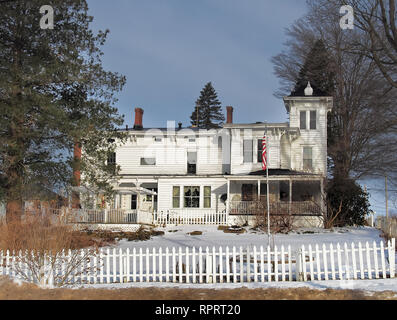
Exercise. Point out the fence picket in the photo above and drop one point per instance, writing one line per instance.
(367, 249)
(376, 266)
(269, 265)
(382, 254)
(339, 255)
(331, 257)
(275, 264)
(241, 265)
(347, 265)
(262, 264)
(392, 256)
(187, 265)
(234, 265)
(282, 264)
(318, 268)
(255, 266)
(248, 264)
(227, 265)
(353, 250)
(194, 265)
(160, 274)
(140, 265)
(290, 263)
(200, 265)
(360, 255)
(220, 265)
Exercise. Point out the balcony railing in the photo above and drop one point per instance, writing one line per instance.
(276, 208)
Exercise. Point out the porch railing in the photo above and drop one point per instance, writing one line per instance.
(276, 208)
(190, 218)
(113, 216)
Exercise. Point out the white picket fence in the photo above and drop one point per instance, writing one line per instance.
(216, 265)
(347, 262)
(188, 217)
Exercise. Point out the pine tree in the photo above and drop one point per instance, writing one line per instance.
(209, 113)
(318, 70)
(53, 92)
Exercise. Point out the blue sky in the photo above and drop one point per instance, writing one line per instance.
(170, 49)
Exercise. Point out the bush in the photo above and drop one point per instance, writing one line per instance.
(347, 203)
(41, 245)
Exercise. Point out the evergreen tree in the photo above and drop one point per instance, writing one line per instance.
(209, 113)
(317, 69)
(53, 93)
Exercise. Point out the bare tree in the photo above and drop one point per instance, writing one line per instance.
(377, 18)
(362, 125)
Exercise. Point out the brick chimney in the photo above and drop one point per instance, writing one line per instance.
(138, 118)
(229, 118)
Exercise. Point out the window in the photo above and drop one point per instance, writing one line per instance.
(148, 161)
(112, 158)
(307, 158)
(149, 196)
(260, 150)
(191, 162)
(247, 151)
(112, 161)
(192, 140)
(313, 115)
(158, 139)
(133, 202)
(191, 197)
(207, 197)
(247, 192)
(303, 119)
(176, 191)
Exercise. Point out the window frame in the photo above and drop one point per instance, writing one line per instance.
(191, 197)
(249, 153)
(304, 159)
(146, 163)
(303, 124)
(208, 197)
(176, 197)
(313, 120)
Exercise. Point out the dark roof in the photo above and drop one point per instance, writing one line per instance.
(280, 172)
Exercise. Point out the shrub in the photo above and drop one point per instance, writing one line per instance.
(347, 203)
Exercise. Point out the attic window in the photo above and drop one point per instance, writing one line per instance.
(158, 139)
(192, 140)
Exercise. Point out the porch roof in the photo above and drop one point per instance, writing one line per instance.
(275, 174)
(134, 190)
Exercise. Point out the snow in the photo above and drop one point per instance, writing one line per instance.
(212, 237)
(375, 285)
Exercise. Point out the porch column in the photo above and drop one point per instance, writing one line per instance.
(138, 196)
(322, 205)
(259, 190)
(228, 197)
(290, 196)
(152, 203)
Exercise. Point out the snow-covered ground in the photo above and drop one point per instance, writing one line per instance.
(179, 237)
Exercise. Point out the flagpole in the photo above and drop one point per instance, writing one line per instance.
(267, 186)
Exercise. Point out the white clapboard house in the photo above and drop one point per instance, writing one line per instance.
(216, 175)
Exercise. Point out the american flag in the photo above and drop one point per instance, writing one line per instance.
(264, 156)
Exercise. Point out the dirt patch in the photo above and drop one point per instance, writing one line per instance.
(13, 291)
(110, 237)
(195, 233)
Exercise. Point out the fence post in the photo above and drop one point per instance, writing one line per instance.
(106, 216)
(298, 268)
(392, 257)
